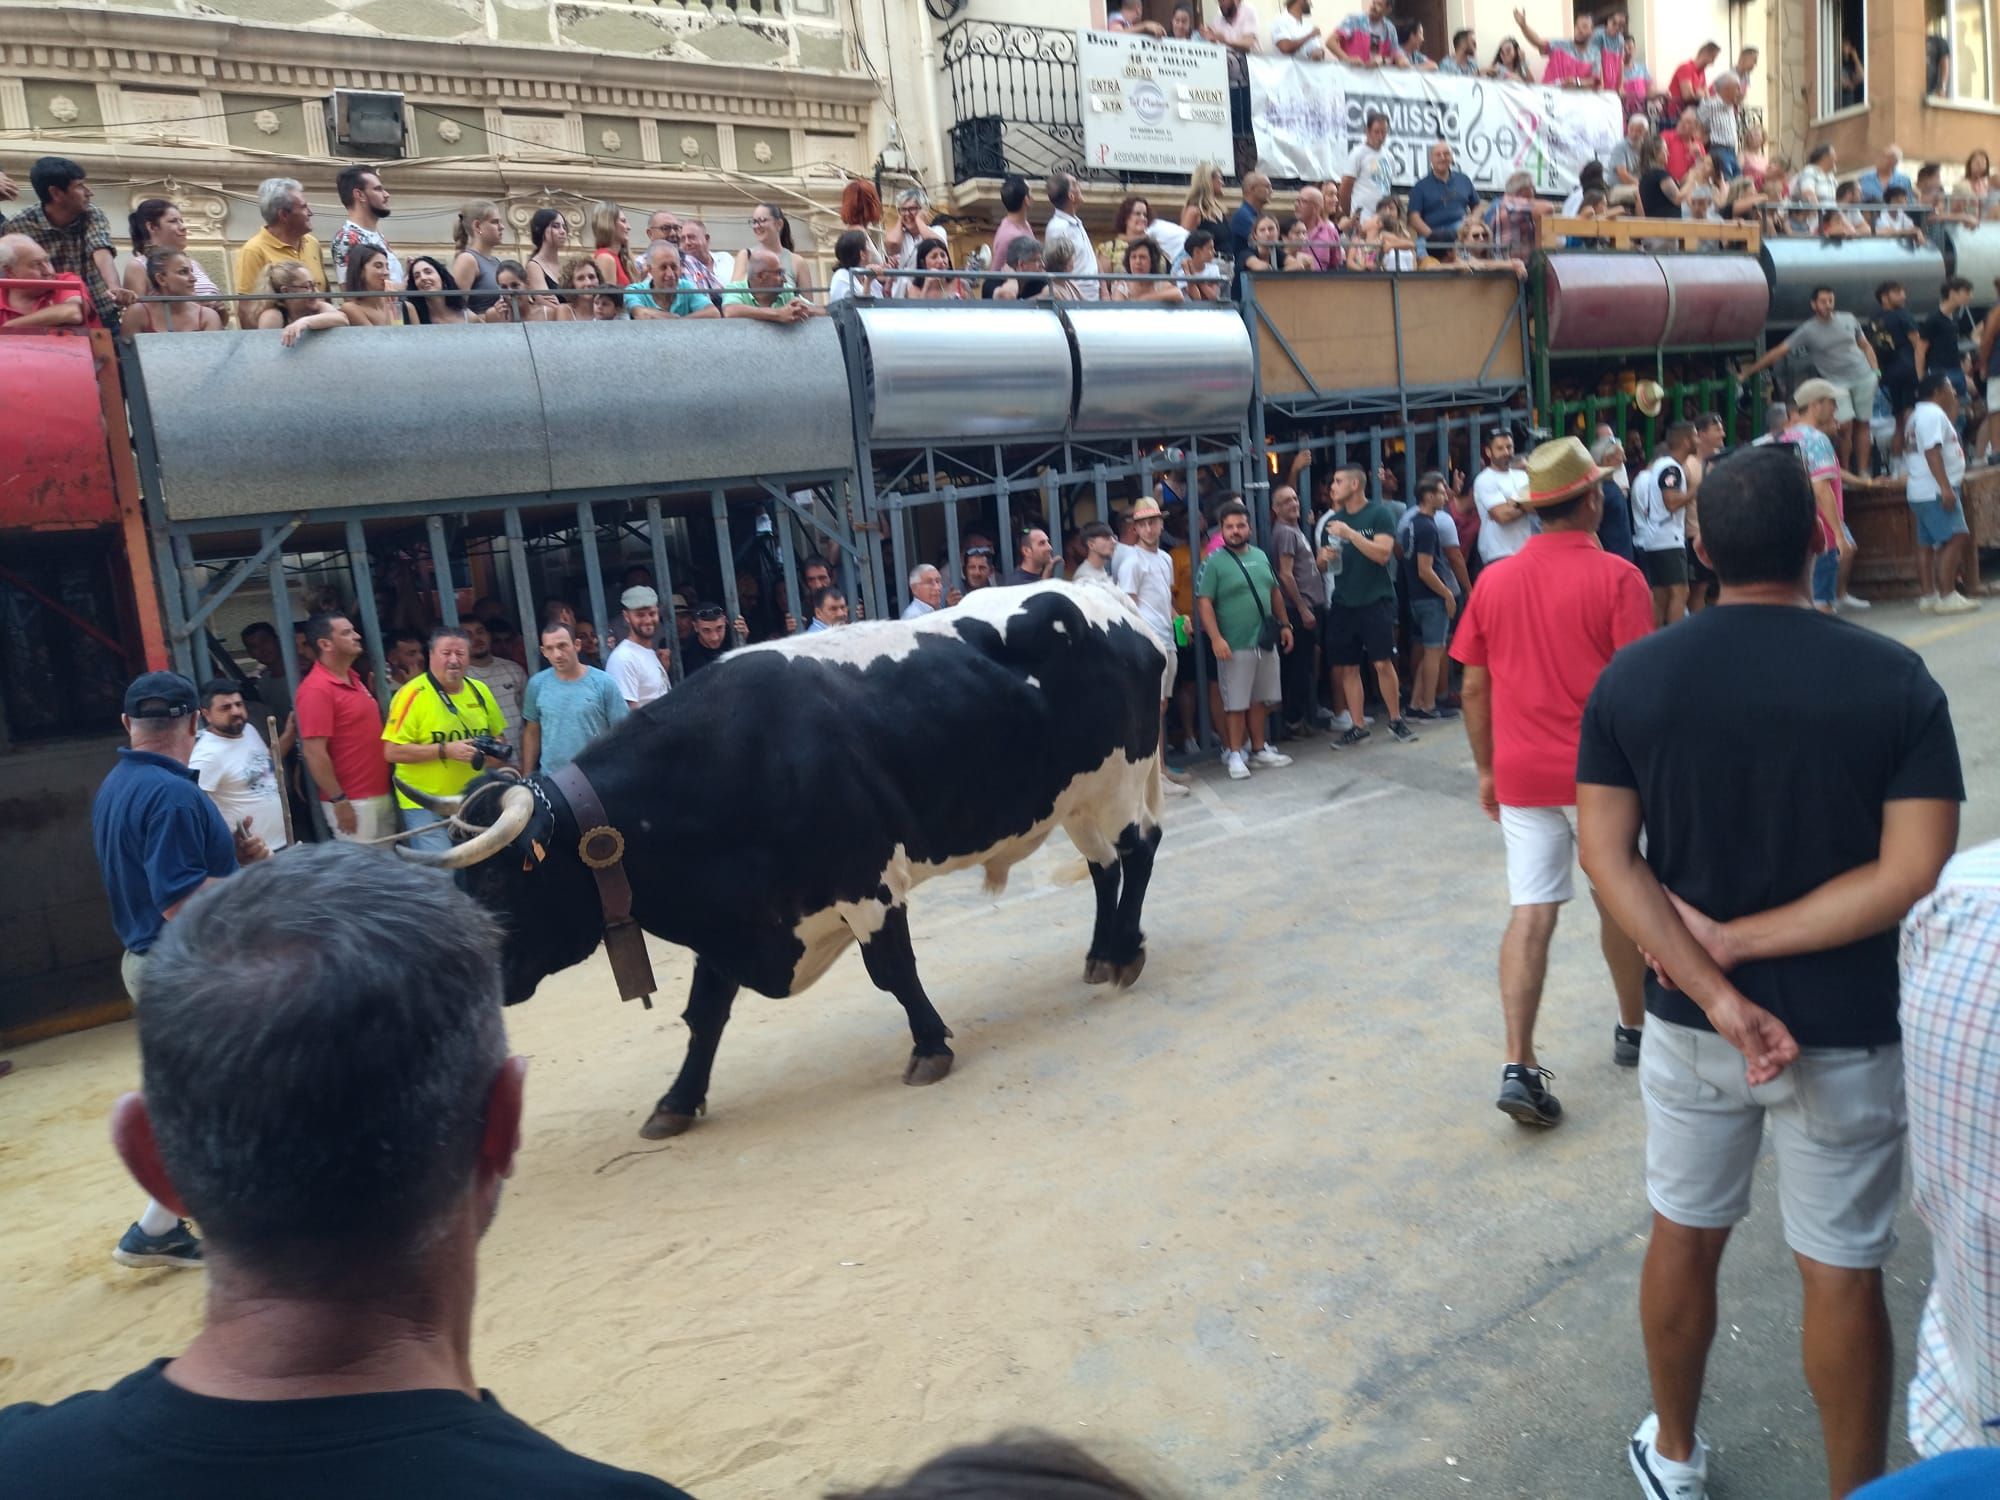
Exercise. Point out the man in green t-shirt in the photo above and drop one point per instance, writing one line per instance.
(1361, 620)
(1238, 592)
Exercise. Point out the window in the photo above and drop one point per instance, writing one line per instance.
(1957, 63)
(1843, 67)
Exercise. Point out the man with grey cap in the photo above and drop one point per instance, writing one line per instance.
(159, 839)
(635, 664)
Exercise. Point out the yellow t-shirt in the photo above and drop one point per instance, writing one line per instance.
(418, 715)
(264, 248)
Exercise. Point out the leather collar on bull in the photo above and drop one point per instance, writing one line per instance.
(601, 847)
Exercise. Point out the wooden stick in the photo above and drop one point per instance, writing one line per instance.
(284, 787)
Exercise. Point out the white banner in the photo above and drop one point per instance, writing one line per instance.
(1152, 104)
(1306, 115)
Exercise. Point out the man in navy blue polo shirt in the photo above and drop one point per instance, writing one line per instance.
(159, 839)
(1440, 200)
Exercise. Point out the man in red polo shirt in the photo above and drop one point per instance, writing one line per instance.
(37, 309)
(1689, 85)
(1539, 627)
(340, 734)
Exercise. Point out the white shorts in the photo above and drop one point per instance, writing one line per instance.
(1173, 670)
(1541, 854)
(1837, 1130)
(1249, 676)
(374, 818)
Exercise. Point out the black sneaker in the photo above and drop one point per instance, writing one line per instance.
(1444, 711)
(1625, 1042)
(1401, 730)
(176, 1247)
(1419, 714)
(1523, 1097)
(1352, 738)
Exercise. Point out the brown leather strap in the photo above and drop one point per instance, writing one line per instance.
(602, 849)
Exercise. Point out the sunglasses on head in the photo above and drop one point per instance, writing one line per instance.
(978, 551)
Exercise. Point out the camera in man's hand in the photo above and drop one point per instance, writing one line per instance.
(485, 748)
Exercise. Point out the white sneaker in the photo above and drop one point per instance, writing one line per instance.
(1852, 601)
(1955, 603)
(1239, 768)
(1928, 605)
(1190, 747)
(1342, 722)
(1172, 788)
(1662, 1478)
(1269, 758)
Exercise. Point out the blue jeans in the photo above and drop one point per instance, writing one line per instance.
(1826, 578)
(434, 836)
(1725, 161)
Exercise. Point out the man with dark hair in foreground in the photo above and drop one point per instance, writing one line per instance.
(1780, 855)
(339, 1117)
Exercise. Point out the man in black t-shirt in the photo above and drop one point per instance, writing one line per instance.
(339, 1115)
(1940, 330)
(1893, 334)
(1797, 784)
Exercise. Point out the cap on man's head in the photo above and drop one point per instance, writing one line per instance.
(639, 597)
(159, 695)
(1810, 391)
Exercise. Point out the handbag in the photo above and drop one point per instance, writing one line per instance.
(1269, 632)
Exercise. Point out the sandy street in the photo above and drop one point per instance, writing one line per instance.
(1256, 1218)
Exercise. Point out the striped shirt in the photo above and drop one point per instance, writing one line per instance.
(1951, 1061)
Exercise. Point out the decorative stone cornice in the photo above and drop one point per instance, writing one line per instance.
(170, 51)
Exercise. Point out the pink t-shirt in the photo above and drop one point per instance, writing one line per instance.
(1004, 236)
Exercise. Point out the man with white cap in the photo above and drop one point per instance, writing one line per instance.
(1538, 629)
(639, 669)
(1144, 573)
(1812, 436)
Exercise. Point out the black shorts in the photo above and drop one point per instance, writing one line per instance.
(1667, 568)
(1360, 633)
(1698, 571)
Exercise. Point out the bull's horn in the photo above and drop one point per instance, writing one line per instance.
(517, 806)
(444, 807)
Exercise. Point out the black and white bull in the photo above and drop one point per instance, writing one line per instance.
(786, 801)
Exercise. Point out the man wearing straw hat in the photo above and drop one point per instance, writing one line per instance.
(1539, 627)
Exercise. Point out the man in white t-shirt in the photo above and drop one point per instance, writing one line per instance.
(636, 665)
(1366, 181)
(235, 768)
(1660, 498)
(1145, 575)
(1504, 523)
(1936, 494)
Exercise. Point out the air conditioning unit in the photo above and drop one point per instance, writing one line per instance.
(362, 122)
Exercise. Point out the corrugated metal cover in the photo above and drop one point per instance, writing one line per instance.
(956, 373)
(1853, 268)
(1975, 256)
(408, 417)
(691, 402)
(1717, 299)
(1160, 369)
(1605, 301)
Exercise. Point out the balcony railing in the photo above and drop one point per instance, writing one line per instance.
(1016, 105)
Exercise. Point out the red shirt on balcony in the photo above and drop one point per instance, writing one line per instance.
(20, 302)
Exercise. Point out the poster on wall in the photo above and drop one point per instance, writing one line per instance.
(1306, 115)
(1152, 104)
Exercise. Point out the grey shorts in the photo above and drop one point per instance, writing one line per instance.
(1249, 676)
(1837, 1130)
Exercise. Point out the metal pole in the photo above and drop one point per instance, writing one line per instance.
(593, 573)
(899, 543)
(954, 571)
(788, 561)
(656, 533)
(1052, 508)
(524, 585)
(196, 649)
(281, 621)
(441, 575)
(1003, 490)
(718, 507)
(363, 571)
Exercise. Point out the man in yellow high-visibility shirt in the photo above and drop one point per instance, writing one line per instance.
(433, 721)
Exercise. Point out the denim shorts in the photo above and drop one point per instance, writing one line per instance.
(1935, 524)
(1428, 617)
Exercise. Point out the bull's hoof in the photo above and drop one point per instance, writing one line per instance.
(1126, 975)
(924, 1070)
(1097, 971)
(664, 1124)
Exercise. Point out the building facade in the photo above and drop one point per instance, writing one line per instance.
(702, 106)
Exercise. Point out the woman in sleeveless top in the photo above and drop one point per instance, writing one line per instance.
(548, 232)
(477, 235)
(156, 224)
(170, 273)
(771, 230)
(611, 233)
